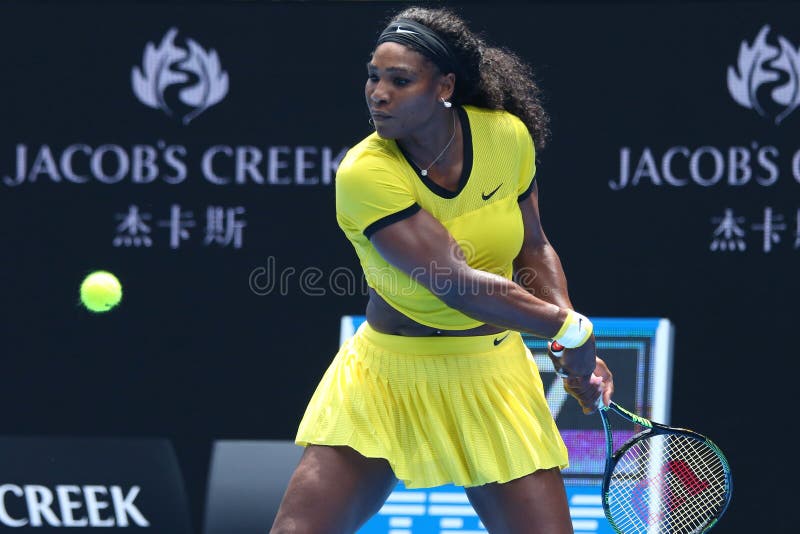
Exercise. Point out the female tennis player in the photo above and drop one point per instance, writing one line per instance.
(437, 386)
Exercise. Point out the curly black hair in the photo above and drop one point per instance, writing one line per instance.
(490, 76)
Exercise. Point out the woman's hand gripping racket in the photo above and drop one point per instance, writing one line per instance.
(663, 479)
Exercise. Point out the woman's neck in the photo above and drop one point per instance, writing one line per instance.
(434, 147)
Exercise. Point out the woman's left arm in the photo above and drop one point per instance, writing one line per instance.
(537, 267)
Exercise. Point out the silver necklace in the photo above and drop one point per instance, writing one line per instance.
(424, 172)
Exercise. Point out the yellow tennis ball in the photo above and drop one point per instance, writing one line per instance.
(100, 291)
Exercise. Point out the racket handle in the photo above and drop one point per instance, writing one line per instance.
(557, 348)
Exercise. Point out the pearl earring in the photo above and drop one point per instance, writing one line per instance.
(446, 103)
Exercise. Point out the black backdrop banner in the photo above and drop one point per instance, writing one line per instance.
(48, 483)
(191, 150)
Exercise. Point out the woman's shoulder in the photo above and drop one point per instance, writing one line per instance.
(370, 152)
(371, 163)
(487, 112)
(494, 118)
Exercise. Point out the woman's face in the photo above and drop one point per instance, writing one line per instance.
(403, 90)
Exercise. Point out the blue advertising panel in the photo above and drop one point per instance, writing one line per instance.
(446, 510)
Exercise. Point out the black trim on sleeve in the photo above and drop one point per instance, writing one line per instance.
(389, 219)
(527, 192)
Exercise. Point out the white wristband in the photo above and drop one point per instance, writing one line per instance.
(575, 331)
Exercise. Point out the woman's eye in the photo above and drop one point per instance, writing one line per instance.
(372, 77)
(401, 81)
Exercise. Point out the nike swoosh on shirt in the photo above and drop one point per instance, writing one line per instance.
(487, 196)
(499, 340)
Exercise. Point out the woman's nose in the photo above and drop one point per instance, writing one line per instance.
(378, 94)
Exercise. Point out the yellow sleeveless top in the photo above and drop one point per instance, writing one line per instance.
(376, 185)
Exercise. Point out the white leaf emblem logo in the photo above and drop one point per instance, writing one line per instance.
(759, 64)
(213, 81)
(788, 94)
(168, 64)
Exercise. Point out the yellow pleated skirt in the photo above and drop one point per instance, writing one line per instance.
(442, 410)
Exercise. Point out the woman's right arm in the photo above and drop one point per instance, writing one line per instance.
(421, 247)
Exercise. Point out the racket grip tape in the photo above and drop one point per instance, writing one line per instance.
(557, 348)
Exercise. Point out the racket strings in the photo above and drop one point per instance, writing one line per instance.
(660, 484)
(667, 483)
(658, 500)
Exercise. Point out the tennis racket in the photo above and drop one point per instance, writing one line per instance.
(663, 479)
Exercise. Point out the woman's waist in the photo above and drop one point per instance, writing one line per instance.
(439, 345)
(383, 318)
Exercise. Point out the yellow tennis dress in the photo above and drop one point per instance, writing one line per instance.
(461, 410)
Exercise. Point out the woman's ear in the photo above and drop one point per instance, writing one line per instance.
(448, 86)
